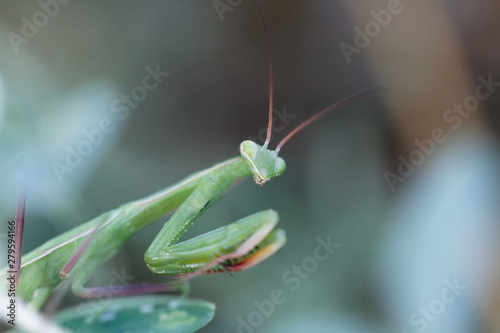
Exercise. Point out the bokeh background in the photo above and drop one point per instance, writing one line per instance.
(399, 248)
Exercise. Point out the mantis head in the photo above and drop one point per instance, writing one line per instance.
(262, 162)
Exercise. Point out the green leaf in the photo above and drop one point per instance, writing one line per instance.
(150, 314)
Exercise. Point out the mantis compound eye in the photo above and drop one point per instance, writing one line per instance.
(249, 148)
(279, 166)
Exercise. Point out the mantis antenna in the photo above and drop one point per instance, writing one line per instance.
(329, 109)
(270, 66)
(309, 121)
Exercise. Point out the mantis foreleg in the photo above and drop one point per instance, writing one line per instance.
(163, 257)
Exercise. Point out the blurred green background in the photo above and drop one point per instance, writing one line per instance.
(65, 79)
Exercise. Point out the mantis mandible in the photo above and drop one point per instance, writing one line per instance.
(235, 247)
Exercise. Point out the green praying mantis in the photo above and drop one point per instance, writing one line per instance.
(235, 247)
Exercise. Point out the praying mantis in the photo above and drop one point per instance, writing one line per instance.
(240, 245)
